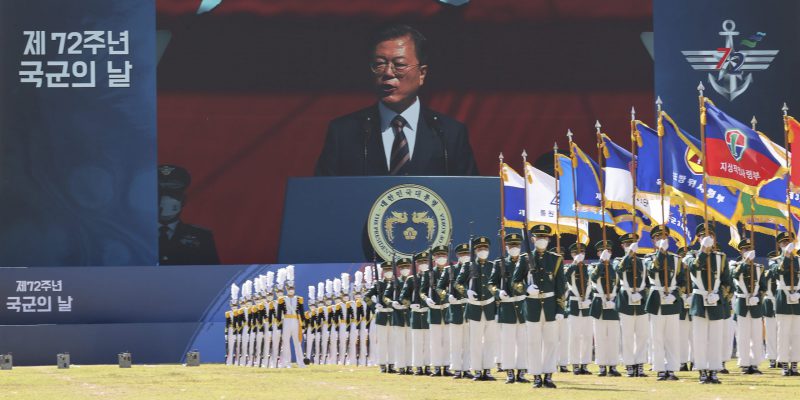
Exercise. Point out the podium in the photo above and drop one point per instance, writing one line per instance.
(353, 219)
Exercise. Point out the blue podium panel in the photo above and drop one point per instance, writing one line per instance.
(352, 219)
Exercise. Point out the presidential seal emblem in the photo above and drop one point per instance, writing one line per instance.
(731, 69)
(408, 219)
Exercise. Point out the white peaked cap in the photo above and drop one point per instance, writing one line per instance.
(312, 293)
(270, 279)
(281, 280)
(337, 287)
(345, 282)
(234, 292)
(359, 281)
(328, 288)
(321, 290)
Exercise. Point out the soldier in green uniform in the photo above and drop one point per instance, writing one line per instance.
(437, 307)
(749, 281)
(605, 284)
(684, 317)
(541, 279)
(383, 315)
(663, 304)
(785, 271)
(512, 322)
(562, 350)
(401, 334)
(633, 318)
(458, 330)
(768, 311)
(418, 315)
(709, 277)
(579, 323)
(473, 282)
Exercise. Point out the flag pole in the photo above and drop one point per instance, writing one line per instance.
(525, 175)
(753, 123)
(574, 189)
(701, 100)
(602, 193)
(786, 143)
(634, 165)
(660, 130)
(503, 205)
(558, 196)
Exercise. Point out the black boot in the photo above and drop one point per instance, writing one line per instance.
(603, 371)
(510, 376)
(773, 364)
(691, 366)
(756, 371)
(427, 371)
(418, 372)
(521, 376)
(487, 376)
(548, 381)
(537, 381)
(437, 372)
(794, 369)
(576, 369)
(563, 369)
(478, 376)
(391, 369)
(724, 370)
(630, 371)
(713, 378)
(640, 371)
(786, 370)
(446, 371)
(703, 377)
(684, 367)
(383, 368)
(467, 375)
(585, 370)
(613, 371)
(457, 375)
(747, 370)
(662, 376)
(671, 376)
(500, 368)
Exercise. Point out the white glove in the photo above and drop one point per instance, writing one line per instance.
(378, 306)
(752, 301)
(669, 299)
(795, 296)
(559, 317)
(605, 255)
(533, 290)
(788, 249)
(452, 299)
(430, 302)
(636, 297)
(471, 295)
(749, 255)
(396, 305)
(713, 297)
(633, 247)
(374, 299)
(503, 295)
(706, 242)
(415, 307)
(586, 303)
(610, 304)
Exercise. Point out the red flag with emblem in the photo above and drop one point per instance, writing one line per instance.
(793, 130)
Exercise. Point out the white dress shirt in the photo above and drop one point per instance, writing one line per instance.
(411, 115)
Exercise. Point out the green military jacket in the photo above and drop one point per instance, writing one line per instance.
(770, 288)
(447, 288)
(510, 309)
(664, 274)
(545, 271)
(409, 293)
(782, 275)
(632, 279)
(579, 288)
(749, 279)
(475, 276)
(719, 284)
(428, 289)
(606, 286)
(393, 293)
(377, 290)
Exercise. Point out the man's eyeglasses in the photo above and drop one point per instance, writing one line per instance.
(399, 69)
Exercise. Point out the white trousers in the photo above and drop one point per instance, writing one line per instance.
(771, 337)
(309, 338)
(317, 348)
(259, 349)
(382, 344)
(788, 338)
(439, 345)
(749, 341)
(707, 343)
(354, 334)
(481, 343)
(276, 349)
(401, 343)
(363, 335)
(562, 349)
(685, 340)
(333, 344)
(326, 338)
(238, 349)
(606, 340)
(728, 333)
(666, 342)
(291, 333)
(635, 333)
(579, 339)
(343, 337)
(371, 358)
(459, 345)
(420, 346)
(231, 347)
(542, 340)
(266, 340)
(243, 347)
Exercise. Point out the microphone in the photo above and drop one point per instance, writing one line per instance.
(367, 125)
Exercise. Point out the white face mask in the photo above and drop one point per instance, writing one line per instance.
(463, 259)
(514, 251)
(482, 254)
(788, 248)
(168, 208)
(290, 292)
(663, 244)
(711, 238)
(387, 275)
(422, 267)
(441, 261)
(578, 257)
(405, 271)
(541, 244)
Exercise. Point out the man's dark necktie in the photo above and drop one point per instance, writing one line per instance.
(400, 154)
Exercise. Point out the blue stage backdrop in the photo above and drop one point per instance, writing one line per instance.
(77, 133)
(158, 314)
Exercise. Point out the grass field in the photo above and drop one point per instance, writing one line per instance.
(214, 381)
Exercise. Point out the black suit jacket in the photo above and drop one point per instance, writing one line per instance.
(189, 245)
(354, 146)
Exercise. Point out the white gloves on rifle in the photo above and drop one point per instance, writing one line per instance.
(472, 295)
(706, 242)
(415, 307)
(586, 303)
(752, 301)
(430, 302)
(533, 290)
(636, 297)
(669, 299)
(396, 305)
(503, 295)
(605, 255)
(713, 297)
(609, 304)
(452, 299)
(374, 299)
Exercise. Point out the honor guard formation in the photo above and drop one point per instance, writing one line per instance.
(529, 314)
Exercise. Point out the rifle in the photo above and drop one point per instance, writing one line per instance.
(502, 254)
(415, 287)
(430, 272)
(452, 279)
(473, 267)
(527, 240)
(394, 271)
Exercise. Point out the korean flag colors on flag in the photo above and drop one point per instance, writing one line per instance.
(513, 197)
(735, 154)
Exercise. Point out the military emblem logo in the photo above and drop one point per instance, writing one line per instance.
(408, 219)
(731, 69)
(737, 143)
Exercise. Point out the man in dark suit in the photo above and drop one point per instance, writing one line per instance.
(180, 243)
(397, 136)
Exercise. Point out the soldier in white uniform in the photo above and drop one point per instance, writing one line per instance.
(785, 270)
(663, 304)
(345, 315)
(246, 347)
(748, 279)
(579, 322)
(277, 319)
(310, 326)
(230, 326)
(293, 311)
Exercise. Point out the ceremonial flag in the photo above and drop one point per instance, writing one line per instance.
(567, 203)
(542, 203)
(513, 197)
(735, 154)
(793, 130)
(587, 177)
